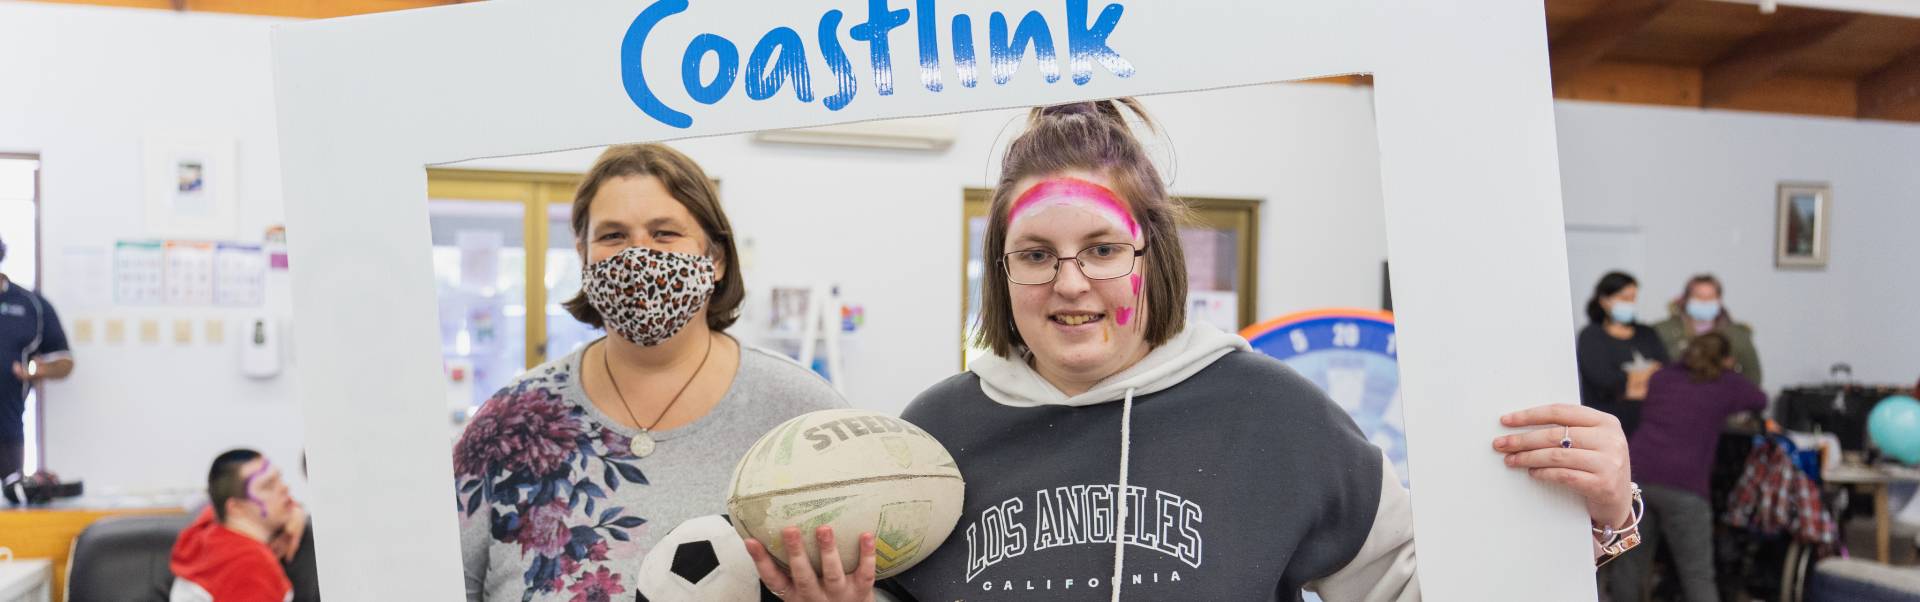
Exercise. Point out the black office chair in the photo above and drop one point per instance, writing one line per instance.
(124, 559)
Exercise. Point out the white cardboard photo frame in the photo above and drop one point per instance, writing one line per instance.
(1469, 172)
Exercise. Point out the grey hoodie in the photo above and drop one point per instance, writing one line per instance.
(1204, 472)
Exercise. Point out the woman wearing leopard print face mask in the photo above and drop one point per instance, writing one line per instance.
(569, 474)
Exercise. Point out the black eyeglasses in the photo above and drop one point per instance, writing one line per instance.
(1104, 261)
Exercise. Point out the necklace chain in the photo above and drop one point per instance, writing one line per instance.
(608, 366)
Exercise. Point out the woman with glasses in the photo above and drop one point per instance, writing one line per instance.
(1111, 446)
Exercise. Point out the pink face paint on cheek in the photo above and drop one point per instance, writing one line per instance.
(1071, 191)
(1123, 315)
(1136, 284)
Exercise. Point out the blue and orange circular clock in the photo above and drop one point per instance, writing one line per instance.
(1352, 356)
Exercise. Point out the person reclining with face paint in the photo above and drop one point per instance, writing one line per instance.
(225, 555)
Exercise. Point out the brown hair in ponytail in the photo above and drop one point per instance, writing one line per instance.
(1093, 137)
(1706, 356)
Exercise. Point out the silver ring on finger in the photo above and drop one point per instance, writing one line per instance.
(1566, 437)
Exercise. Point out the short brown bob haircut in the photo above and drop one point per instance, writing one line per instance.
(688, 184)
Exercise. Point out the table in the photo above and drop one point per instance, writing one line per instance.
(26, 580)
(1876, 480)
(47, 532)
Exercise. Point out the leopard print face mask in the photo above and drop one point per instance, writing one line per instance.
(647, 296)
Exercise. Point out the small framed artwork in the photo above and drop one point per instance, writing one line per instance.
(1800, 238)
(190, 187)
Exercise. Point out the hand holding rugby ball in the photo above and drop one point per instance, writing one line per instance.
(853, 470)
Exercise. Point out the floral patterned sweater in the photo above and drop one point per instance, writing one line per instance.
(552, 506)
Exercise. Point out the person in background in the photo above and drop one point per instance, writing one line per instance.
(228, 553)
(34, 348)
(1699, 311)
(1672, 458)
(1617, 354)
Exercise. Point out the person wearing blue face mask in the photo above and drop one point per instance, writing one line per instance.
(1617, 354)
(1699, 311)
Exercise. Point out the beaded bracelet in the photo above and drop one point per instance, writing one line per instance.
(1614, 542)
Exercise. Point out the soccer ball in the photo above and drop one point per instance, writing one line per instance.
(702, 559)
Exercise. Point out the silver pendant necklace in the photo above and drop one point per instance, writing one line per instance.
(642, 444)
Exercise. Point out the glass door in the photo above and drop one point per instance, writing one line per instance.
(479, 268)
(564, 334)
(495, 232)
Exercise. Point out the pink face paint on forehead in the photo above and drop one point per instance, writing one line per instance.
(1074, 192)
(247, 486)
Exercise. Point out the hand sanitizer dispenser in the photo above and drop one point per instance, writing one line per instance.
(260, 348)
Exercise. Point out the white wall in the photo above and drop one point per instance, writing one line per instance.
(1696, 190)
(81, 87)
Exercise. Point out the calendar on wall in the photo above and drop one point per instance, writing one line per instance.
(137, 269)
(189, 273)
(240, 275)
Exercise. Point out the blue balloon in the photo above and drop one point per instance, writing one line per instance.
(1895, 427)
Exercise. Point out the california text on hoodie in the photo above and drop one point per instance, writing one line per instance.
(1206, 471)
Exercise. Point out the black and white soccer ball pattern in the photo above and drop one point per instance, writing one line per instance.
(701, 560)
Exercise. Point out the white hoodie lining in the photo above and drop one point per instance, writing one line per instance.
(1120, 530)
(1012, 382)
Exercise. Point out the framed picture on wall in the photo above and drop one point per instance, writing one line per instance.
(1800, 237)
(190, 187)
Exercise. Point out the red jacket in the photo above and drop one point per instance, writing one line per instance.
(212, 563)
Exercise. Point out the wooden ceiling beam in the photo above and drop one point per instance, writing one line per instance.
(1885, 93)
(1593, 37)
(1765, 55)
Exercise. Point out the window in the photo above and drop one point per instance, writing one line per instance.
(486, 225)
